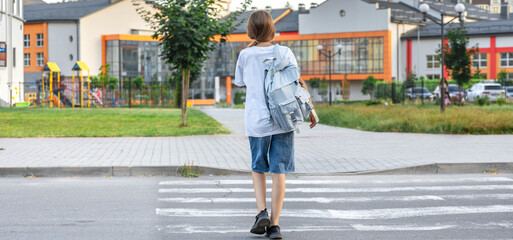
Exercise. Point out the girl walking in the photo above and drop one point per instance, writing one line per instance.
(272, 149)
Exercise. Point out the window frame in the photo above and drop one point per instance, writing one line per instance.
(26, 59)
(508, 59)
(38, 59)
(26, 40)
(478, 60)
(432, 61)
(40, 42)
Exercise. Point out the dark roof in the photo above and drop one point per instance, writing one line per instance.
(401, 12)
(479, 28)
(473, 12)
(289, 23)
(67, 11)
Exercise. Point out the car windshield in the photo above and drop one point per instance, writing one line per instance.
(510, 89)
(493, 87)
(453, 89)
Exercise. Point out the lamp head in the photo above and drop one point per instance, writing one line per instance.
(319, 47)
(339, 47)
(424, 8)
(460, 8)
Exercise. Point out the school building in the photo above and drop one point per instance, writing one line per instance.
(384, 39)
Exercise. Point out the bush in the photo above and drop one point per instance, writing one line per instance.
(372, 102)
(483, 101)
(240, 98)
(501, 100)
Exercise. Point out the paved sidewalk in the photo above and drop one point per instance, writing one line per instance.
(323, 149)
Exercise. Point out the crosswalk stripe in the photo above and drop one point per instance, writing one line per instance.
(344, 199)
(373, 228)
(306, 182)
(340, 190)
(186, 228)
(386, 213)
(315, 199)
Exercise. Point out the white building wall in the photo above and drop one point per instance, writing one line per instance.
(359, 17)
(398, 65)
(482, 42)
(356, 91)
(419, 53)
(119, 18)
(506, 41)
(11, 32)
(62, 45)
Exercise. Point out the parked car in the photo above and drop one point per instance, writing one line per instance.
(454, 92)
(418, 92)
(481, 90)
(509, 92)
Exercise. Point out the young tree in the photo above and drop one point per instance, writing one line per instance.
(502, 76)
(187, 31)
(457, 56)
(368, 86)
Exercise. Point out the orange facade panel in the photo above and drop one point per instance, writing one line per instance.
(32, 30)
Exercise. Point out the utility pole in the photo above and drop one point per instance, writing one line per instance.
(8, 42)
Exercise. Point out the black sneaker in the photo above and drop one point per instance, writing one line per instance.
(262, 221)
(273, 232)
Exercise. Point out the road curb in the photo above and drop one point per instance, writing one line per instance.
(144, 171)
(449, 168)
(112, 171)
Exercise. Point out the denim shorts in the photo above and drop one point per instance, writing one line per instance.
(273, 153)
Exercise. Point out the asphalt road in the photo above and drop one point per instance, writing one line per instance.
(316, 207)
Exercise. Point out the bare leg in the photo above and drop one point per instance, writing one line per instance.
(259, 185)
(277, 197)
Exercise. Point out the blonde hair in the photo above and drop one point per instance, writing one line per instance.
(260, 27)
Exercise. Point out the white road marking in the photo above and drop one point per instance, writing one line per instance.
(340, 190)
(373, 228)
(386, 213)
(344, 199)
(313, 199)
(306, 182)
(188, 229)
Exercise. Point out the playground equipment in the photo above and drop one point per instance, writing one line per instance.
(51, 68)
(80, 67)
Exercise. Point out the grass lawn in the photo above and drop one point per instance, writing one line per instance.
(106, 122)
(469, 119)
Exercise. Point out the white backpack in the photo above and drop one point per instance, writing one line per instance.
(286, 100)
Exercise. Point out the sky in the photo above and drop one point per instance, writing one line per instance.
(257, 3)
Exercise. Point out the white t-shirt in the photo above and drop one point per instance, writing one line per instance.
(250, 72)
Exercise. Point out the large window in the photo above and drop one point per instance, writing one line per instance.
(40, 60)
(433, 61)
(507, 59)
(26, 59)
(26, 40)
(479, 60)
(39, 40)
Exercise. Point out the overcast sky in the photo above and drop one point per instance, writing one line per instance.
(257, 3)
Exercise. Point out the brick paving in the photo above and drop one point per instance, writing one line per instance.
(323, 149)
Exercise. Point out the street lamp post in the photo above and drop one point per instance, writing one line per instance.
(460, 8)
(329, 56)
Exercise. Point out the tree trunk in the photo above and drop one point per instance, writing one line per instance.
(186, 73)
(460, 95)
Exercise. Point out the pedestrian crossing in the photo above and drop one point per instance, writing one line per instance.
(350, 204)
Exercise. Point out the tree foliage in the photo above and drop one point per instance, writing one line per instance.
(457, 56)
(368, 86)
(187, 31)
